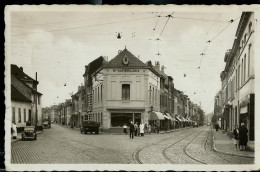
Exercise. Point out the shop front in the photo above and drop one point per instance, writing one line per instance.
(247, 115)
(120, 119)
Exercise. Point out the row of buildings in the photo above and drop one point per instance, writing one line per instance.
(25, 99)
(234, 103)
(126, 89)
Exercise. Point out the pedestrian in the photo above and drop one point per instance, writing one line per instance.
(125, 129)
(132, 129)
(235, 137)
(158, 128)
(136, 128)
(141, 129)
(149, 129)
(243, 137)
(216, 126)
(14, 130)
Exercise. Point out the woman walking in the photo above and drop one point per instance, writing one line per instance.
(136, 128)
(142, 129)
(235, 137)
(243, 137)
(149, 129)
(125, 128)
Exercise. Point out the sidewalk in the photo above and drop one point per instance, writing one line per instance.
(224, 144)
(19, 136)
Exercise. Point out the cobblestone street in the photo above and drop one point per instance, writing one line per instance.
(61, 144)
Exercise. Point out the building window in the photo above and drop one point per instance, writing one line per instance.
(153, 95)
(238, 77)
(101, 92)
(249, 60)
(19, 115)
(245, 69)
(150, 92)
(94, 96)
(39, 99)
(250, 27)
(126, 91)
(245, 36)
(13, 115)
(24, 115)
(98, 94)
(242, 72)
(101, 121)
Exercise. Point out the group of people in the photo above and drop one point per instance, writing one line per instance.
(137, 130)
(240, 137)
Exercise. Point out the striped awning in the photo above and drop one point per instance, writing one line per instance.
(178, 119)
(156, 115)
(169, 116)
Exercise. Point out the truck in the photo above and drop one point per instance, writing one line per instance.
(89, 126)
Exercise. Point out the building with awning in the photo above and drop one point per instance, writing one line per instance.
(157, 116)
(168, 116)
(179, 119)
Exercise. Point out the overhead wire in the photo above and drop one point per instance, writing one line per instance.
(169, 16)
(80, 27)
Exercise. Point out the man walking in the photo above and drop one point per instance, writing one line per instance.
(132, 129)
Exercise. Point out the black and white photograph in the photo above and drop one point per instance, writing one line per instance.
(131, 87)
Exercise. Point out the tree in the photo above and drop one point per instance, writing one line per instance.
(201, 116)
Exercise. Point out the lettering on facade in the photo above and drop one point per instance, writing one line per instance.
(125, 70)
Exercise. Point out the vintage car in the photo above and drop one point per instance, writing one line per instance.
(195, 124)
(46, 124)
(29, 132)
(89, 126)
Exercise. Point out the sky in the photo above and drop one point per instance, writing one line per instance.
(57, 44)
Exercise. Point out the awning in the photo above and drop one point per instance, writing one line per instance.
(243, 110)
(169, 117)
(165, 116)
(178, 119)
(156, 115)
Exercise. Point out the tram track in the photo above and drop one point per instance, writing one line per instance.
(136, 155)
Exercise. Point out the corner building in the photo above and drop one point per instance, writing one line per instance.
(125, 89)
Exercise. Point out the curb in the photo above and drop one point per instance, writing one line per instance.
(229, 153)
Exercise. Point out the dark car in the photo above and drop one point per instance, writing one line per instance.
(89, 126)
(29, 132)
(195, 124)
(46, 124)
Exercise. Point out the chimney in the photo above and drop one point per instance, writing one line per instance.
(157, 65)
(21, 68)
(162, 68)
(105, 58)
(79, 88)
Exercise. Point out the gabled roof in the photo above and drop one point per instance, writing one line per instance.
(117, 61)
(16, 95)
(18, 72)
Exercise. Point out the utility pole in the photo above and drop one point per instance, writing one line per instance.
(36, 97)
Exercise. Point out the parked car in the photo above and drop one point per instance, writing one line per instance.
(29, 132)
(195, 124)
(46, 124)
(89, 126)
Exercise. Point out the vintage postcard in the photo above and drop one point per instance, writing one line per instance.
(131, 87)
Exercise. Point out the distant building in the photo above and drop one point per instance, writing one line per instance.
(24, 98)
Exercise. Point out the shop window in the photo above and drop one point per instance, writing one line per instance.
(119, 119)
(126, 91)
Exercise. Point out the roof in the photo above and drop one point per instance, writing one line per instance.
(18, 72)
(33, 90)
(117, 61)
(16, 95)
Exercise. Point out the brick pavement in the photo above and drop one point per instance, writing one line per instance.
(224, 144)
